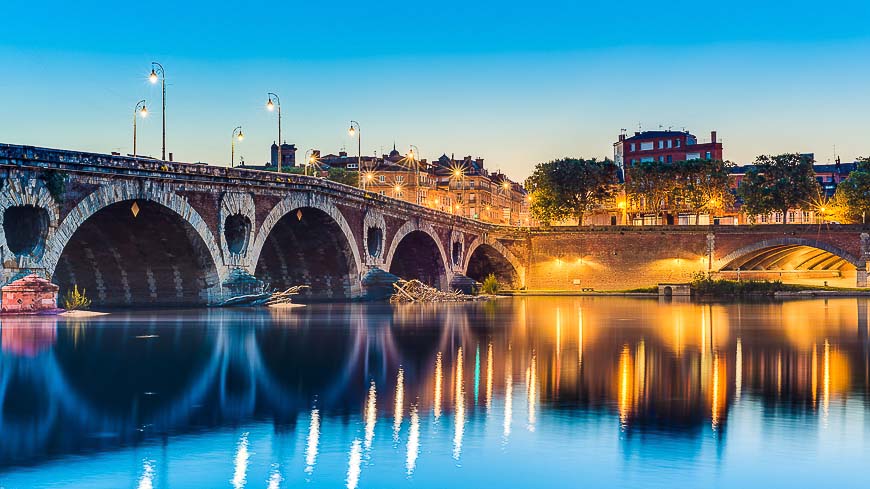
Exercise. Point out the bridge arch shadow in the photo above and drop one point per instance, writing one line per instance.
(308, 244)
(792, 260)
(153, 256)
(416, 252)
(485, 257)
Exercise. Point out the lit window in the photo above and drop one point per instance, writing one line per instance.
(400, 178)
(382, 178)
(708, 155)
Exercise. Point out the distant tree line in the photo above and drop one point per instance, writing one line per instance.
(572, 188)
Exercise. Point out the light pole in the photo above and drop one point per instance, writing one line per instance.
(270, 105)
(309, 160)
(459, 173)
(414, 156)
(157, 71)
(355, 131)
(237, 134)
(139, 109)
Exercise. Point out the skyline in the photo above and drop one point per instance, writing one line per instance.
(513, 97)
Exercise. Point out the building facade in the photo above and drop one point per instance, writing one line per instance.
(664, 147)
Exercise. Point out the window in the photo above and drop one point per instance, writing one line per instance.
(382, 178)
(632, 146)
(647, 159)
(400, 178)
(708, 155)
(679, 142)
(661, 159)
(670, 159)
(648, 146)
(661, 144)
(670, 143)
(381, 192)
(351, 166)
(693, 156)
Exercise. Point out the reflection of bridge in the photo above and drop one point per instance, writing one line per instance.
(138, 231)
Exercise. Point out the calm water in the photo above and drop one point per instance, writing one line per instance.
(554, 392)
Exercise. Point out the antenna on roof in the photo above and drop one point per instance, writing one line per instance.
(669, 128)
(661, 126)
(640, 127)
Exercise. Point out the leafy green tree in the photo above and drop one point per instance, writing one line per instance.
(852, 198)
(779, 183)
(570, 188)
(650, 185)
(703, 185)
(341, 175)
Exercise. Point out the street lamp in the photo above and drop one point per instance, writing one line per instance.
(459, 173)
(310, 160)
(157, 72)
(356, 132)
(237, 134)
(140, 109)
(270, 106)
(414, 156)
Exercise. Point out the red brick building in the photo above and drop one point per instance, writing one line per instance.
(665, 147)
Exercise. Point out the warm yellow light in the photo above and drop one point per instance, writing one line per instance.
(351, 131)
(311, 159)
(241, 136)
(621, 205)
(153, 76)
(397, 188)
(457, 172)
(144, 111)
(506, 185)
(270, 106)
(822, 210)
(369, 177)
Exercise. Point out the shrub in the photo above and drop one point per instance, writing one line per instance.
(490, 285)
(75, 300)
(704, 285)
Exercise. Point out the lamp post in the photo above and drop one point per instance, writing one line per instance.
(237, 134)
(139, 109)
(354, 130)
(157, 71)
(270, 106)
(414, 156)
(310, 160)
(459, 173)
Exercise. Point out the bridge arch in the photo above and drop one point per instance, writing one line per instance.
(792, 259)
(305, 240)
(487, 256)
(124, 258)
(416, 251)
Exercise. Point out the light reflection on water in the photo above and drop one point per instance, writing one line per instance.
(603, 391)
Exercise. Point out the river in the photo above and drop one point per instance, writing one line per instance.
(517, 392)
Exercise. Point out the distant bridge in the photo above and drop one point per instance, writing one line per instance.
(137, 231)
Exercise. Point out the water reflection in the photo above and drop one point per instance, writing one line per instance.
(564, 367)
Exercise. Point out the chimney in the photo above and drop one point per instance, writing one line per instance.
(622, 137)
(713, 137)
(637, 133)
(170, 157)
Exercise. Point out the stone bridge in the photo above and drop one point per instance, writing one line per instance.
(138, 232)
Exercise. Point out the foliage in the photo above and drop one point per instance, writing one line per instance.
(851, 202)
(570, 188)
(75, 300)
(703, 186)
(650, 185)
(341, 175)
(490, 285)
(55, 183)
(779, 183)
(706, 286)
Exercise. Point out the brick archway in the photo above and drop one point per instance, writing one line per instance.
(502, 250)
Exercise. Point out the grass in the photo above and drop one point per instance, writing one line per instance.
(490, 285)
(75, 300)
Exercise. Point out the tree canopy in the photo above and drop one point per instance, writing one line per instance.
(569, 188)
(852, 198)
(695, 185)
(779, 183)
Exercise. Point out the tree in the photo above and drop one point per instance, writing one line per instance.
(650, 185)
(341, 175)
(570, 188)
(779, 183)
(852, 198)
(703, 185)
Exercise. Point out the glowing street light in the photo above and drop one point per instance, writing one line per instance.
(237, 135)
(414, 157)
(310, 159)
(274, 100)
(140, 109)
(355, 131)
(157, 73)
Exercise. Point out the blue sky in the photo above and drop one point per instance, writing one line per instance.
(515, 83)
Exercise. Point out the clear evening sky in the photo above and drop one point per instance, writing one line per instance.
(514, 82)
